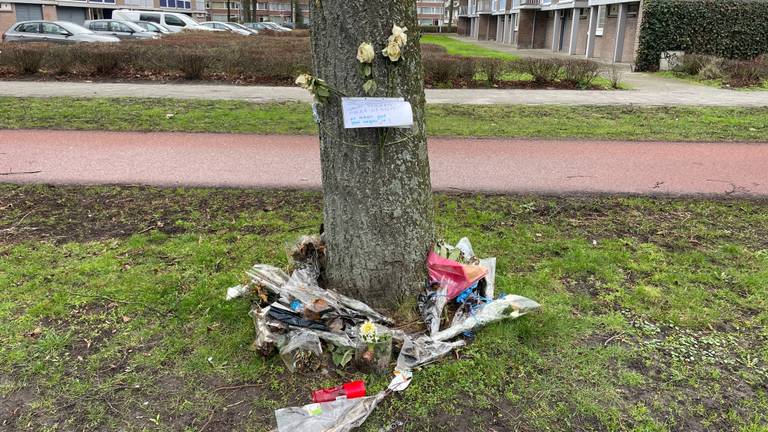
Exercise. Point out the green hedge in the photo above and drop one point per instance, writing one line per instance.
(436, 29)
(736, 29)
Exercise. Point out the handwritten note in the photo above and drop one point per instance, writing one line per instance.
(376, 112)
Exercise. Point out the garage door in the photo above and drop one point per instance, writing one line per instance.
(71, 14)
(28, 12)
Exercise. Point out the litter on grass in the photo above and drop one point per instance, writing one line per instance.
(294, 315)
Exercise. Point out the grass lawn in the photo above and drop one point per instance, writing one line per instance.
(512, 121)
(112, 314)
(466, 49)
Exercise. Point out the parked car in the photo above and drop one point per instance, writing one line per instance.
(53, 32)
(242, 27)
(120, 29)
(225, 26)
(276, 27)
(153, 27)
(258, 26)
(174, 22)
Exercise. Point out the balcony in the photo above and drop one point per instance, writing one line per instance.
(499, 6)
(484, 6)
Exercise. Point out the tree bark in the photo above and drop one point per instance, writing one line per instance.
(450, 15)
(377, 199)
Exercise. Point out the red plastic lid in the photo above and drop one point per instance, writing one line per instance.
(354, 389)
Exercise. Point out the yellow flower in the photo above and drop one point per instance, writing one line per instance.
(392, 51)
(365, 53)
(368, 328)
(399, 36)
(304, 80)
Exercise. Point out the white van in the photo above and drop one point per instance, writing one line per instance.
(175, 22)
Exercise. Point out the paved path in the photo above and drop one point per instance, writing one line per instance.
(512, 166)
(646, 90)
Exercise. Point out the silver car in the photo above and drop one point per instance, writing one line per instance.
(228, 27)
(153, 27)
(120, 29)
(53, 32)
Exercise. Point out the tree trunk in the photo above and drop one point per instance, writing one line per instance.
(450, 15)
(245, 9)
(378, 199)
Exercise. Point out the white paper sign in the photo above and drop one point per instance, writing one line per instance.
(376, 112)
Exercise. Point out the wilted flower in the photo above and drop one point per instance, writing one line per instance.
(399, 36)
(304, 81)
(365, 53)
(392, 51)
(316, 86)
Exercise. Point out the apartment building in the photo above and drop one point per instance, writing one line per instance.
(78, 11)
(430, 12)
(601, 29)
(223, 10)
(280, 11)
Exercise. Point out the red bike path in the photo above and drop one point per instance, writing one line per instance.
(471, 165)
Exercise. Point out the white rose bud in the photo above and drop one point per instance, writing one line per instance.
(365, 53)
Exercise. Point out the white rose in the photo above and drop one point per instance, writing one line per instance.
(399, 36)
(303, 81)
(392, 51)
(365, 53)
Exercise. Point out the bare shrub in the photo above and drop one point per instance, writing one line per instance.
(60, 59)
(542, 70)
(580, 72)
(103, 59)
(614, 74)
(743, 73)
(492, 68)
(692, 64)
(24, 59)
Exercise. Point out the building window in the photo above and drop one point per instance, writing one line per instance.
(632, 10)
(600, 20)
(613, 10)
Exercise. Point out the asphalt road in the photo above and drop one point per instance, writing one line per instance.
(487, 165)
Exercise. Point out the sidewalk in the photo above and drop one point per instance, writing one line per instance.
(646, 90)
(472, 165)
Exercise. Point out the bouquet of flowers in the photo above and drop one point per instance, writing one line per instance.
(374, 349)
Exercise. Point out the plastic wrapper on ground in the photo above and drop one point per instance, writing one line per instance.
(465, 246)
(338, 416)
(431, 305)
(453, 276)
(294, 319)
(302, 285)
(510, 306)
(490, 278)
(237, 292)
(268, 276)
(301, 349)
(423, 351)
(266, 339)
